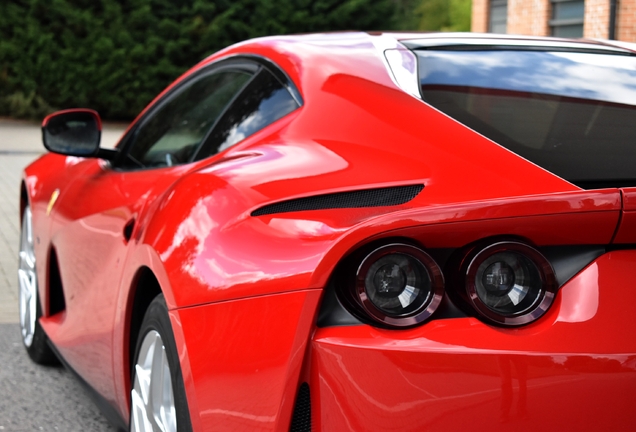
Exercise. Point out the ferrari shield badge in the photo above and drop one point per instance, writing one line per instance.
(54, 195)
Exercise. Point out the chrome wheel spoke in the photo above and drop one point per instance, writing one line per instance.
(26, 299)
(139, 420)
(162, 403)
(27, 281)
(152, 398)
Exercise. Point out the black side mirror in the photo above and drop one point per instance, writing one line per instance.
(74, 132)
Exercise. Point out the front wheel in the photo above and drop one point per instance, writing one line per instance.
(33, 337)
(158, 401)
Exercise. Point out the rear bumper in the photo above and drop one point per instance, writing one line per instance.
(574, 369)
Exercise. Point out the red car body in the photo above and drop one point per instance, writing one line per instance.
(245, 292)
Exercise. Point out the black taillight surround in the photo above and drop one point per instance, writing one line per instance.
(341, 306)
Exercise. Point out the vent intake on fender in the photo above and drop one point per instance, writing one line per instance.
(388, 196)
(301, 420)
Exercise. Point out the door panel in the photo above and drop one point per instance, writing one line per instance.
(93, 219)
(88, 224)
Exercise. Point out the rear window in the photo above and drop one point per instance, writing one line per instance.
(571, 113)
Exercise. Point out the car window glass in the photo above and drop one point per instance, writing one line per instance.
(572, 113)
(263, 101)
(172, 134)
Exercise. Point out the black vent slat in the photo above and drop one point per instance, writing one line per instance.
(388, 196)
(301, 419)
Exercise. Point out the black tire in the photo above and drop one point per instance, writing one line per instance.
(157, 319)
(39, 350)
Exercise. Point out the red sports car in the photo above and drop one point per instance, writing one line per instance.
(356, 231)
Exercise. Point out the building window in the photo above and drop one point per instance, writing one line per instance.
(498, 16)
(567, 18)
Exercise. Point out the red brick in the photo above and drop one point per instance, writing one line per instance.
(531, 17)
(479, 22)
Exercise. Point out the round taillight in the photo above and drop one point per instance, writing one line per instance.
(399, 285)
(509, 283)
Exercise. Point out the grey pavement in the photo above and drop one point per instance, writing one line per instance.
(41, 398)
(33, 398)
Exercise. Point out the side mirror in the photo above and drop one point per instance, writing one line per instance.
(74, 132)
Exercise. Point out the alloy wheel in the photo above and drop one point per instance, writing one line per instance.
(27, 280)
(153, 407)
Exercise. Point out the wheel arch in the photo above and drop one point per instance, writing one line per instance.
(144, 289)
(143, 282)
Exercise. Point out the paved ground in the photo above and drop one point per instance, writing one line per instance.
(41, 398)
(32, 397)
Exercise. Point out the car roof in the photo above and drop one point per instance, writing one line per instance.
(414, 40)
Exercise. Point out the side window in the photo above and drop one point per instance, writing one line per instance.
(263, 101)
(172, 133)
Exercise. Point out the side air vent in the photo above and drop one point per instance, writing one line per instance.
(301, 420)
(56, 290)
(388, 196)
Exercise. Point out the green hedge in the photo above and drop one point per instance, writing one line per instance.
(116, 55)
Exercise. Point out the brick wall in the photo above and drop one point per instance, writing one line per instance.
(626, 22)
(479, 21)
(529, 17)
(596, 20)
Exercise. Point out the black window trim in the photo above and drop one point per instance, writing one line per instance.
(128, 140)
(285, 82)
(251, 63)
(538, 48)
(223, 112)
(279, 73)
(512, 44)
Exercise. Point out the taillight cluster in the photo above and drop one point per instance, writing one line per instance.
(508, 283)
(400, 285)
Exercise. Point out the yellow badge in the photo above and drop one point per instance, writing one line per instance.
(54, 195)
